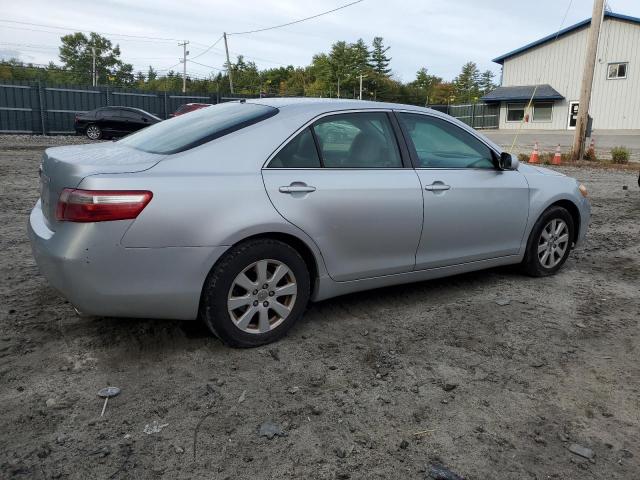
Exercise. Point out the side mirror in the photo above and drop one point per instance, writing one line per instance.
(507, 162)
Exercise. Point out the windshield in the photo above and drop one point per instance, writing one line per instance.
(200, 126)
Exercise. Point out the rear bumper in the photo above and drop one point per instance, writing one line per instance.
(87, 264)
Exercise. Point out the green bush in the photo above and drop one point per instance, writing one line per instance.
(523, 157)
(620, 155)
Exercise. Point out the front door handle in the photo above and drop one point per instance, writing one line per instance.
(437, 187)
(299, 188)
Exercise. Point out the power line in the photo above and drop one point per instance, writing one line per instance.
(85, 31)
(208, 66)
(296, 21)
(209, 47)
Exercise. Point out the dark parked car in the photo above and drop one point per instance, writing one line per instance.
(108, 122)
(189, 107)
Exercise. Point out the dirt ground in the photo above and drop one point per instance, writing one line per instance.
(492, 374)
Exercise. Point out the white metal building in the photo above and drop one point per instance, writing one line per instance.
(555, 66)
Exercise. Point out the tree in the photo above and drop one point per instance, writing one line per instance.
(379, 60)
(467, 83)
(423, 87)
(151, 74)
(76, 53)
(486, 84)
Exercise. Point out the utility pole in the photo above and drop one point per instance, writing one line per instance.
(185, 52)
(587, 80)
(93, 69)
(226, 49)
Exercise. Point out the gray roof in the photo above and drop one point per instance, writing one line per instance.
(523, 92)
(565, 31)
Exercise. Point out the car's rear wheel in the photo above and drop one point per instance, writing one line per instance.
(255, 293)
(549, 243)
(93, 131)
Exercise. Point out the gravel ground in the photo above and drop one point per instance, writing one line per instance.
(492, 374)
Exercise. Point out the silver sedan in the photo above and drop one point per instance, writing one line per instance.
(241, 213)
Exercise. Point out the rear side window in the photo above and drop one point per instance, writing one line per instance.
(188, 131)
(357, 140)
(298, 153)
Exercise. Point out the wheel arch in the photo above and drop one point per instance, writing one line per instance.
(311, 257)
(573, 210)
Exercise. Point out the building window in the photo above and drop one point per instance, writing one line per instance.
(617, 70)
(515, 112)
(542, 111)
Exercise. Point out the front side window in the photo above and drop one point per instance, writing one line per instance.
(440, 144)
(617, 70)
(357, 140)
(188, 131)
(298, 153)
(515, 112)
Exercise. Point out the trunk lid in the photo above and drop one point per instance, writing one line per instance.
(65, 167)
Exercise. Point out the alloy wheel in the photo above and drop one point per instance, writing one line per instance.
(553, 243)
(93, 132)
(262, 296)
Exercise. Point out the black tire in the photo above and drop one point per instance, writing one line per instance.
(531, 263)
(213, 304)
(92, 127)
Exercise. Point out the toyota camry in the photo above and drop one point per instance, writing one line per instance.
(241, 213)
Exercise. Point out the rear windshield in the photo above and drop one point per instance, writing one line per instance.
(184, 132)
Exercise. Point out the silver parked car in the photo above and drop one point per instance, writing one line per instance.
(240, 213)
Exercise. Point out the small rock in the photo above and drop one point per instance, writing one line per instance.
(220, 382)
(270, 430)
(316, 410)
(340, 452)
(154, 427)
(274, 354)
(582, 451)
(294, 390)
(243, 396)
(404, 444)
(448, 386)
(60, 439)
(540, 440)
(503, 301)
(563, 437)
(625, 187)
(178, 449)
(365, 333)
(439, 472)
(537, 363)
(581, 325)
(50, 402)
(444, 401)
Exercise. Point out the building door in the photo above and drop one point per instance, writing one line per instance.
(573, 115)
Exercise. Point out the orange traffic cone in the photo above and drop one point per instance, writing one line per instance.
(591, 152)
(557, 158)
(534, 155)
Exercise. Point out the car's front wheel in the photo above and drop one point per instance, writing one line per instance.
(255, 293)
(93, 132)
(549, 243)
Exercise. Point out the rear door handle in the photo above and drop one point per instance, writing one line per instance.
(297, 189)
(437, 187)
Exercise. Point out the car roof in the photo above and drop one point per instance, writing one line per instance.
(330, 104)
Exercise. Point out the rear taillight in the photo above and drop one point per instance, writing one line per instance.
(101, 205)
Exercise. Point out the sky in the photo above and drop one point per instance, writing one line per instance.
(438, 35)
